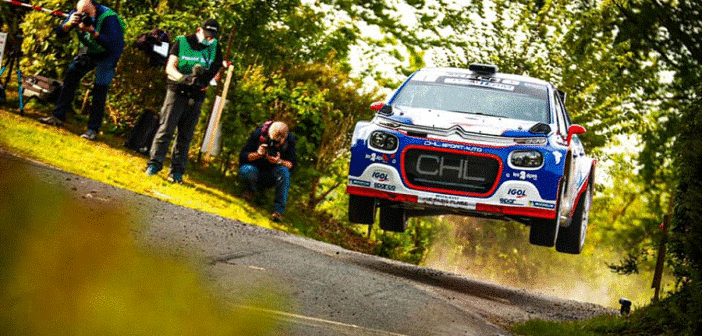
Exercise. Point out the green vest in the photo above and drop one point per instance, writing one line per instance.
(87, 40)
(187, 57)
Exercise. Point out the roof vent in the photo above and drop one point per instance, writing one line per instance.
(484, 69)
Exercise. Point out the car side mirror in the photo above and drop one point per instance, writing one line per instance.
(380, 107)
(574, 129)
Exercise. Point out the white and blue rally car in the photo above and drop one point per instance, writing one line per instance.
(474, 142)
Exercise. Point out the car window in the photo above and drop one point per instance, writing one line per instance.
(514, 100)
(560, 116)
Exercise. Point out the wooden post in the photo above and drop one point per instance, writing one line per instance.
(220, 107)
(658, 274)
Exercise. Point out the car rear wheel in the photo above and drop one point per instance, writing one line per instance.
(361, 209)
(572, 238)
(393, 219)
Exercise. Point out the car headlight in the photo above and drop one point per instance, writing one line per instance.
(383, 141)
(527, 159)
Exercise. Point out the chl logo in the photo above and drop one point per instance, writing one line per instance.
(380, 176)
(438, 168)
(517, 192)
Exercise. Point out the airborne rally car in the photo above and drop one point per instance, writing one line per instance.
(474, 142)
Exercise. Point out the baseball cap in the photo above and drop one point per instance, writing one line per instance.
(210, 27)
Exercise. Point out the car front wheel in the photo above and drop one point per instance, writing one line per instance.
(543, 232)
(361, 209)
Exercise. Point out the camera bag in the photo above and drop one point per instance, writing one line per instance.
(44, 89)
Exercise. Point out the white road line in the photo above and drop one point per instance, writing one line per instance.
(313, 320)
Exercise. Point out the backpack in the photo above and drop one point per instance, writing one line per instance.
(142, 135)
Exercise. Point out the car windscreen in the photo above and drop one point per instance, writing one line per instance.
(494, 97)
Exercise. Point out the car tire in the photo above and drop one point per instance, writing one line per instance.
(393, 219)
(572, 238)
(361, 209)
(543, 232)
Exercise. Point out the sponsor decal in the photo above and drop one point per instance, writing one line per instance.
(507, 201)
(436, 166)
(543, 205)
(360, 182)
(384, 158)
(383, 186)
(380, 176)
(525, 176)
(475, 82)
(446, 201)
(520, 193)
(497, 80)
(377, 157)
(453, 146)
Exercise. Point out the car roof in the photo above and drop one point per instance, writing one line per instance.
(520, 78)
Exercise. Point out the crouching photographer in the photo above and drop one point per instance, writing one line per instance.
(101, 32)
(266, 161)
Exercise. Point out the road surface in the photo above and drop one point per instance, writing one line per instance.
(328, 290)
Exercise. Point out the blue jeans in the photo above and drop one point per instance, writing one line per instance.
(278, 177)
(103, 77)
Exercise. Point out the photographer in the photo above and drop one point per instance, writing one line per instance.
(101, 32)
(266, 160)
(192, 62)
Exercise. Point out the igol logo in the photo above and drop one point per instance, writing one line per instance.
(517, 192)
(380, 176)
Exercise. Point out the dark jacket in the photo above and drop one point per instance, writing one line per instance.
(204, 80)
(111, 36)
(287, 151)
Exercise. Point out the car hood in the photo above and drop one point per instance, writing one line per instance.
(471, 123)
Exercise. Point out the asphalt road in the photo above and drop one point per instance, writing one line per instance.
(327, 290)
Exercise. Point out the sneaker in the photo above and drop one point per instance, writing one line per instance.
(152, 170)
(276, 217)
(89, 134)
(51, 120)
(175, 178)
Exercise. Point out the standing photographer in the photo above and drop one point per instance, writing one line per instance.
(101, 32)
(266, 160)
(192, 62)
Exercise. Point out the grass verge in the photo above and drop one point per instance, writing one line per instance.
(107, 160)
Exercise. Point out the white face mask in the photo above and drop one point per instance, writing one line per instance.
(202, 40)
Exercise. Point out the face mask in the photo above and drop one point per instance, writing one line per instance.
(202, 40)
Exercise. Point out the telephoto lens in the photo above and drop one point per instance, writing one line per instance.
(85, 19)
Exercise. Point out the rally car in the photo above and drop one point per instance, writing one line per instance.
(474, 142)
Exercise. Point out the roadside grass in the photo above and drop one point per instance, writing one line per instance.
(106, 160)
(597, 326)
(661, 318)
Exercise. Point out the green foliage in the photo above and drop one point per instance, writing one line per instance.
(292, 62)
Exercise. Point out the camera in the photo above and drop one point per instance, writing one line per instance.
(272, 147)
(85, 19)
